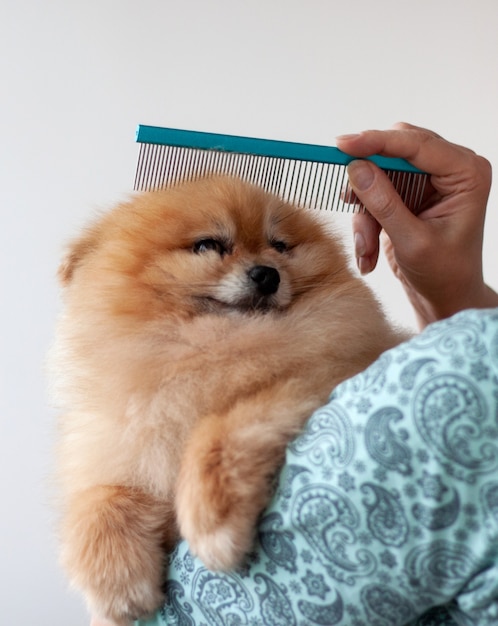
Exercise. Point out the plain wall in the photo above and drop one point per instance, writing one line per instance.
(76, 79)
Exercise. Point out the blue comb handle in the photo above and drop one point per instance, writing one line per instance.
(261, 147)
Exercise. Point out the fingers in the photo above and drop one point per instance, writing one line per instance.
(437, 254)
(454, 170)
(376, 192)
(423, 148)
(406, 126)
(366, 232)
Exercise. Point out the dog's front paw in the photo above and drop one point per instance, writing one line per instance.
(112, 551)
(221, 545)
(223, 486)
(219, 533)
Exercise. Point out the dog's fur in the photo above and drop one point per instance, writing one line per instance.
(182, 372)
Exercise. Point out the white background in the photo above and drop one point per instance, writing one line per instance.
(77, 77)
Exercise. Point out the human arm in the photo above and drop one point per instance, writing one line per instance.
(437, 254)
(386, 507)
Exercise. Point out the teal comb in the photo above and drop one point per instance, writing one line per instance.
(308, 175)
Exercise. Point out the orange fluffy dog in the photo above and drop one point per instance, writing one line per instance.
(202, 326)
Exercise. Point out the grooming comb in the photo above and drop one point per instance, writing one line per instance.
(311, 176)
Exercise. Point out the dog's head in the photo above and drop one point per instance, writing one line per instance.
(216, 245)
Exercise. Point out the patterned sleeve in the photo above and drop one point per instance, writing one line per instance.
(386, 511)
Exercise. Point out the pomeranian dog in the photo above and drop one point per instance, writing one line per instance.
(202, 326)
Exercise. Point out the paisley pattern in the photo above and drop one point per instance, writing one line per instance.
(436, 518)
(328, 521)
(386, 511)
(450, 412)
(277, 544)
(387, 604)
(385, 516)
(440, 567)
(386, 447)
(337, 448)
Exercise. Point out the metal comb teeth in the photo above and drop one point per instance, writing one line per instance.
(307, 175)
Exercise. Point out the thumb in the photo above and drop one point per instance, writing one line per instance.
(374, 189)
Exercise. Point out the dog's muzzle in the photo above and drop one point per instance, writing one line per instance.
(255, 288)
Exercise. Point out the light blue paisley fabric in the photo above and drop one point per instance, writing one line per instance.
(386, 512)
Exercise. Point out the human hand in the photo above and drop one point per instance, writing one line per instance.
(437, 254)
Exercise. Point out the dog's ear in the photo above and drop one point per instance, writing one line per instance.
(77, 251)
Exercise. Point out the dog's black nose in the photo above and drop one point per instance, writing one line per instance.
(266, 278)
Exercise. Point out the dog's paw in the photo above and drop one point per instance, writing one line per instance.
(220, 547)
(223, 486)
(127, 598)
(123, 609)
(222, 544)
(112, 552)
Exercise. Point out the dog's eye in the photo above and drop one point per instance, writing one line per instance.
(279, 246)
(204, 245)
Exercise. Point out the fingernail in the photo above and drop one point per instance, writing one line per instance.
(360, 175)
(360, 249)
(346, 137)
(364, 265)
(360, 246)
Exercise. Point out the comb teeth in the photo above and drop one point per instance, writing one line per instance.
(318, 180)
